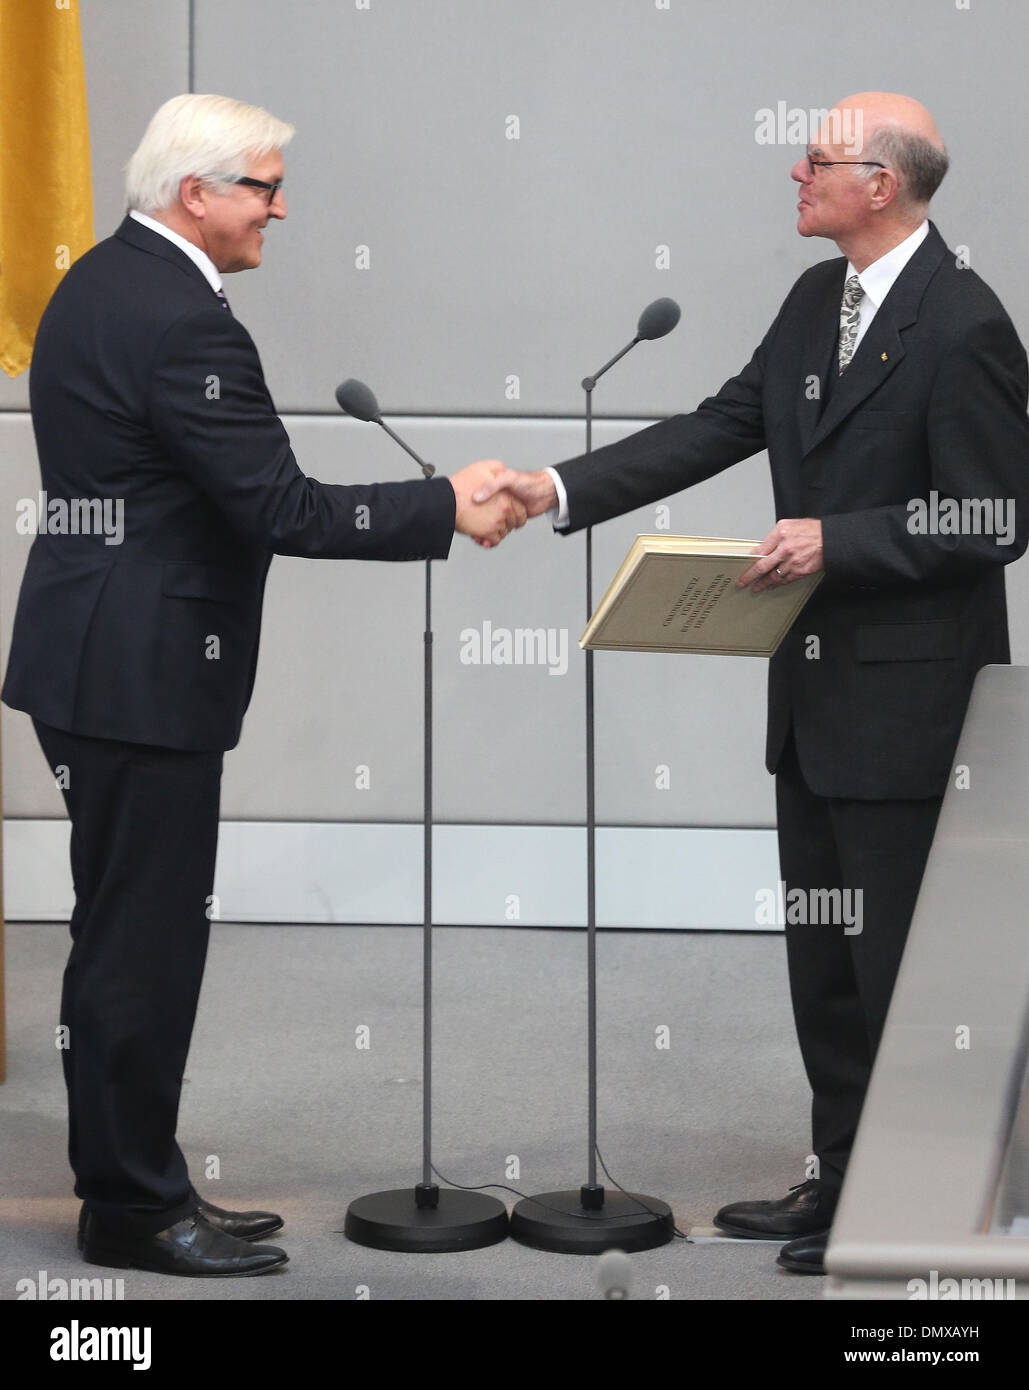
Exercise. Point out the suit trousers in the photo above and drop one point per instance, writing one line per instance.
(842, 973)
(144, 832)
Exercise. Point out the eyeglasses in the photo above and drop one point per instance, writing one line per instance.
(270, 188)
(814, 164)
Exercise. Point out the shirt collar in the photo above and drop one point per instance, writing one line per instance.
(878, 278)
(199, 258)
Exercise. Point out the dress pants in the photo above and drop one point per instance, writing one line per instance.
(144, 831)
(841, 984)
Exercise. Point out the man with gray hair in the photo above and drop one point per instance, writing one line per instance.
(136, 662)
(890, 376)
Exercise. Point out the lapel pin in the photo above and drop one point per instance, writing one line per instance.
(885, 358)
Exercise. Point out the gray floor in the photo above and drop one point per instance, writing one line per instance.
(301, 1120)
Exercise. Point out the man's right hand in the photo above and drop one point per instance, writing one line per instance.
(484, 512)
(535, 491)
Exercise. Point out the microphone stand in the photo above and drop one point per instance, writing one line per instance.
(591, 1220)
(423, 1219)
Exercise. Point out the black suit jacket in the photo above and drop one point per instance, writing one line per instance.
(933, 401)
(143, 388)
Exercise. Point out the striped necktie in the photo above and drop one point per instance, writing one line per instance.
(850, 321)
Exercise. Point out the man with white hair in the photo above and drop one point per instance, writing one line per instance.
(136, 661)
(891, 376)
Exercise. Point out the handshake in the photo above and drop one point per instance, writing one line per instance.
(493, 499)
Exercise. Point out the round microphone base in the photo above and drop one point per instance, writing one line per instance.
(558, 1221)
(395, 1221)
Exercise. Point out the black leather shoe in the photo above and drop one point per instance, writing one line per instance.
(191, 1247)
(808, 1210)
(805, 1255)
(244, 1225)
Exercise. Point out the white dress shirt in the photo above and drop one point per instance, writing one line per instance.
(199, 258)
(876, 280)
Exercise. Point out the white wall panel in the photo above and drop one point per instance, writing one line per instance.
(339, 683)
(483, 875)
(492, 257)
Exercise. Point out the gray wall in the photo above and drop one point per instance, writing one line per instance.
(493, 258)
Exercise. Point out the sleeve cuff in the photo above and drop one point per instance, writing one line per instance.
(559, 514)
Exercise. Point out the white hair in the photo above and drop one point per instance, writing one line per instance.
(917, 161)
(210, 136)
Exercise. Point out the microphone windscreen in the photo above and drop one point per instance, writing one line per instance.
(614, 1274)
(357, 399)
(658, 318)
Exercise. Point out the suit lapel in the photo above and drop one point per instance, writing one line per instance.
(145, 239)
(817, 357)
(882, 348)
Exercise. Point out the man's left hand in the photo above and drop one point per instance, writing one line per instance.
(792, 548)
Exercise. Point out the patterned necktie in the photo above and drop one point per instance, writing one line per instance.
(222, 300)
(850, 320)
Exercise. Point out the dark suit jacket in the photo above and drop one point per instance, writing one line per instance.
(143, 388)
(934, 400)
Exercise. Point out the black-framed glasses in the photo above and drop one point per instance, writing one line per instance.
(270, 188)
(814, 164)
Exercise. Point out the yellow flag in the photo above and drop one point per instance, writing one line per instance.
(46, 192)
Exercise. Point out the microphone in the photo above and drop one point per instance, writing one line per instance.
(656, 320)
(614, 1268)
(358, 400)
